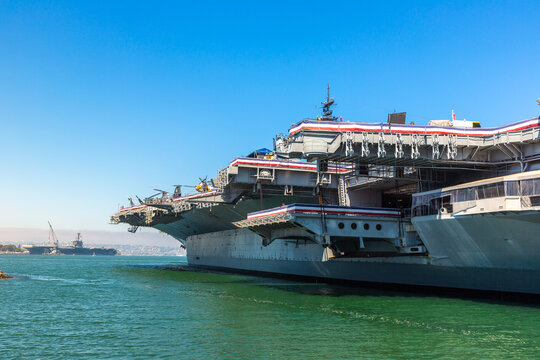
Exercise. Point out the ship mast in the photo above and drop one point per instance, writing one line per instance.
(326, 107)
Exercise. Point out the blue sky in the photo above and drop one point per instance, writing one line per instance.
(103, 100)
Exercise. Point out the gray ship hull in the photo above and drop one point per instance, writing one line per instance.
(242, 250)
(509, 240)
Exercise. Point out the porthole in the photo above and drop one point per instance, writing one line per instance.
(341, 225)
(366, 226)
(353, 226)
(378, 227)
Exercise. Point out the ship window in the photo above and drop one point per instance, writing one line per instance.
(536, 186)
(512, 188)
(353, 226)
(526, 187)
(430, 204)
(434, 206)
(468, 194)
(417, 210)
(378, 227)
(471, 195)
(490, 190)
(341, 225)
(530, 187)
(366, 226)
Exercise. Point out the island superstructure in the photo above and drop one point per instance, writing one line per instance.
(447, 204)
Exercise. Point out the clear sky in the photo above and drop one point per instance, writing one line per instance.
(101, 100)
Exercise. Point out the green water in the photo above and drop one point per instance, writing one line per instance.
(134, 308)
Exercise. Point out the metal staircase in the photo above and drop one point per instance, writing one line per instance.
(343, 194)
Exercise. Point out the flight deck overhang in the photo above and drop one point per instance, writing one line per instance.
(318, 222)
(145, 214)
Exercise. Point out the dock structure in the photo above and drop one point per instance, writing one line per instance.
(413, 145)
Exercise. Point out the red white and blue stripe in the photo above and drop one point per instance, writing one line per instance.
(311, 209)
(294, 165)
(333, 126)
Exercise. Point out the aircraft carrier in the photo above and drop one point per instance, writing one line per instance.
(76, 247)
(446, 204)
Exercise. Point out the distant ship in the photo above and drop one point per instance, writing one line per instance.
(76, 248)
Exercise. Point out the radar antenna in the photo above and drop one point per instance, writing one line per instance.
(326, 107)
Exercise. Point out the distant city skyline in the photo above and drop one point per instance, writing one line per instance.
(104, 101)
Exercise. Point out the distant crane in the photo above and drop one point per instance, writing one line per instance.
(52, 236)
